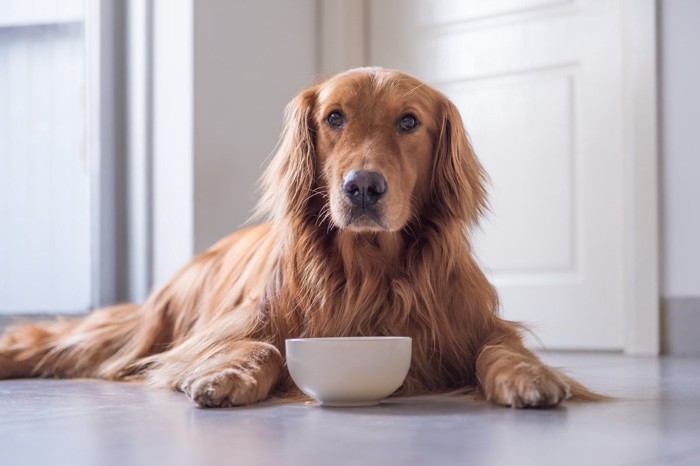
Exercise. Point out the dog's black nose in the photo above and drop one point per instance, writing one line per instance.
(364, 188)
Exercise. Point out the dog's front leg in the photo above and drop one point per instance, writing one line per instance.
(510, 375)
(241, 373)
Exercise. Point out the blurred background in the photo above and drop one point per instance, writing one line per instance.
(132, 134)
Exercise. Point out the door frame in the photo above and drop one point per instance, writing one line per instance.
(641, 197)
(100, 139)
(640, 145)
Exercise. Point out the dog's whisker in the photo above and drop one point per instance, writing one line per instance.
(413, 90)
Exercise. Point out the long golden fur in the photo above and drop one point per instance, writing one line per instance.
(324, 265)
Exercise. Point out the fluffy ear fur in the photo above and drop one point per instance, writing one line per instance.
(289, 180)
(459, 180)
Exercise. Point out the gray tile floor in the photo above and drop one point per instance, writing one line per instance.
(655, 420)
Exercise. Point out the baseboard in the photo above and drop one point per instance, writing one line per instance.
(680, 326)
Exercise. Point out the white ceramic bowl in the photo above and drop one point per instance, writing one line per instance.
(349, 371)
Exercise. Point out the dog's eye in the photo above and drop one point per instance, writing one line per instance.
(408, 122)
(335, 119)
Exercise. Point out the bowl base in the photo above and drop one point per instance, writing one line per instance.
(349, 404)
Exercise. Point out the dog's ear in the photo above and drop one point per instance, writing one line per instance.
(458, 179)
(289, 180)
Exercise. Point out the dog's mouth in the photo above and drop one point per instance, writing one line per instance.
(367, 219)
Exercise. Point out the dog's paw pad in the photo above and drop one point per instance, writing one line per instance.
(223, 388)
(529, 385)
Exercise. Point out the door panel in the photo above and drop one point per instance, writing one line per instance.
(510, 242)
(44, 172)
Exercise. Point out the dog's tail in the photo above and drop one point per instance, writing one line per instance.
(113, 342)
(108, 343)
(102, 344)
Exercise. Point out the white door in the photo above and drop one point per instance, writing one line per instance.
(44, 169)
(539, 84)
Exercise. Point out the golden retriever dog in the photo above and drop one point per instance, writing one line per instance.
(370, 200)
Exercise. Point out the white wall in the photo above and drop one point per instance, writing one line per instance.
(223, 72)
(680, 151)
(173, 175)
(250, 58)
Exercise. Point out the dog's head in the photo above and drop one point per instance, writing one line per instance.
(373, 149)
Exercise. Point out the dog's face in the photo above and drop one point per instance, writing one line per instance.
(373, 149)
(375, 143)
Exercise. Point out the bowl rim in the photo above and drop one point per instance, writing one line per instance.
(348, 339)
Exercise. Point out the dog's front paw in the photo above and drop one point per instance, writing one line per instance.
(223, 388)
(242, 376)
(527, 385)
